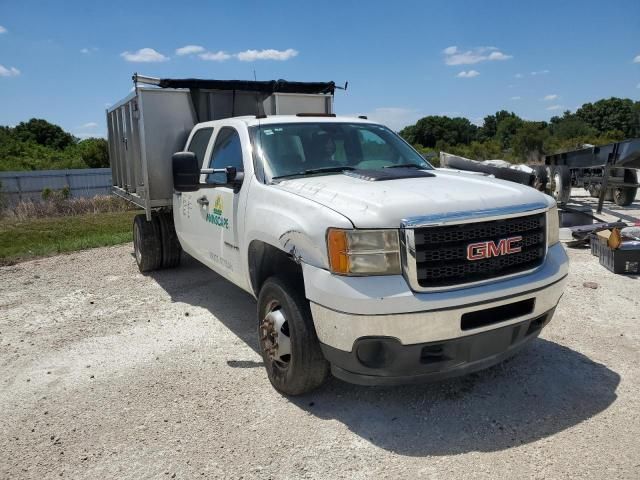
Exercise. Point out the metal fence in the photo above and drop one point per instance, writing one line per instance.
(84, 182)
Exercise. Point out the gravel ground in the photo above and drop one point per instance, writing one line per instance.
(106, 373)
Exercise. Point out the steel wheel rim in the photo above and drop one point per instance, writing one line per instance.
(557, 186)
(274, 335)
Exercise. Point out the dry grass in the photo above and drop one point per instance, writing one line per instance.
(62, 207)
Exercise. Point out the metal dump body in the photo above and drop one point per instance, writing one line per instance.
(148, 126)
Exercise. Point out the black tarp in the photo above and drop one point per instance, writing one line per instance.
(270, 86)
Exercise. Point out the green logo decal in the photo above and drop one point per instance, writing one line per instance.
(216, 217)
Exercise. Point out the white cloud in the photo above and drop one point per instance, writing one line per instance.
(469, 74)
(454, 56)
(89, 125)
(215, 56)
(84, 50)
(8, 72)
(396, 118)
(85, 135)
(518, 75)
(189, 50)
(145, 55)
(554, 107)
(269, 54)
(635, 60)
(550, 97)
(516, 98)
(540, 72)
(3, 29)
(499, 56)
(638, 86)
(87, 51)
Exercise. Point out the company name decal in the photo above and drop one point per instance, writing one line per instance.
(217, 217)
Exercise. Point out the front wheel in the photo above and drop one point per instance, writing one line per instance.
(288, 342)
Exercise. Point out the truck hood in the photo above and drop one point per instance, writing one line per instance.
(384, 204)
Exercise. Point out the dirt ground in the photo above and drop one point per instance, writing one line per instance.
(106, 373)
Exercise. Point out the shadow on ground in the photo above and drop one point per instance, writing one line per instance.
(544, 390)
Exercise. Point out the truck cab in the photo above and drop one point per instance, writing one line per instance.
(365, 261)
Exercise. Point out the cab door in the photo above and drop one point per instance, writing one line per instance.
(216, 235)
(186, 214)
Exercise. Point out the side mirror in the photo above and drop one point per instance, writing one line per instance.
(234, 177)
(186, 172)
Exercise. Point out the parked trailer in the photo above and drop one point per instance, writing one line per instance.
(607, 172)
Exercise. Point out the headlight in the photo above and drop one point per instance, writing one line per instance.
(553, 226)
(363, 252)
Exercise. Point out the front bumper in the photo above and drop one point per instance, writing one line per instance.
(350, 310)
(385, 361)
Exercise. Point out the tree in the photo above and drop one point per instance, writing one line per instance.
(570, 126)
(612, 114)
(94, 152)
(43, 133)
(528, 141)
(433, 129)
(507, 128)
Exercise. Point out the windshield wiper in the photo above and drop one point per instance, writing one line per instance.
(311, 171)
(328, 169)
(406, 165)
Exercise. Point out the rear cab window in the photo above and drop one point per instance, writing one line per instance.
(199, 142)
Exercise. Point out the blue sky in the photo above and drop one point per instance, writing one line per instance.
(66, 60)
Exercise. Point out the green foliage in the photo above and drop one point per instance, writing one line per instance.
(433, 129)
(620, 114)
(40, 145)
(43, 133)
(507, 136)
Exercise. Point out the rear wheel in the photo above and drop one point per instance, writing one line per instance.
(147, 244)
(171, 249)
(288, 341)
(541, 177)
(624, 196)
(561, 183)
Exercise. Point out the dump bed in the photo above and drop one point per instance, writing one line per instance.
(153, 122)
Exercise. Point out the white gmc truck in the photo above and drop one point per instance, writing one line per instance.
(365, 261)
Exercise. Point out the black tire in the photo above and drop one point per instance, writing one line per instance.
(306, 368)
(171, 249)
(146, 243)
(625, 196)
(561, 183)
(540, 177)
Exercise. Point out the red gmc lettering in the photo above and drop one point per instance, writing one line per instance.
(482, 250)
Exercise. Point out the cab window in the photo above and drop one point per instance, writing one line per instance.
(199, 142)
(227, 152)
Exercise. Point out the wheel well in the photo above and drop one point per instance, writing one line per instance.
(266, 260)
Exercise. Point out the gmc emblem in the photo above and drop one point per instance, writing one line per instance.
(482, 250)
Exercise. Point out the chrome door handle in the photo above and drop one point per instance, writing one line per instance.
(203, 201)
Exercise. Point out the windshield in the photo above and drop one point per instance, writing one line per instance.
(292, 149)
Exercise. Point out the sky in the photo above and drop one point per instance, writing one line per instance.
(66, 61)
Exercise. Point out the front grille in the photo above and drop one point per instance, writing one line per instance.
(441, 252)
